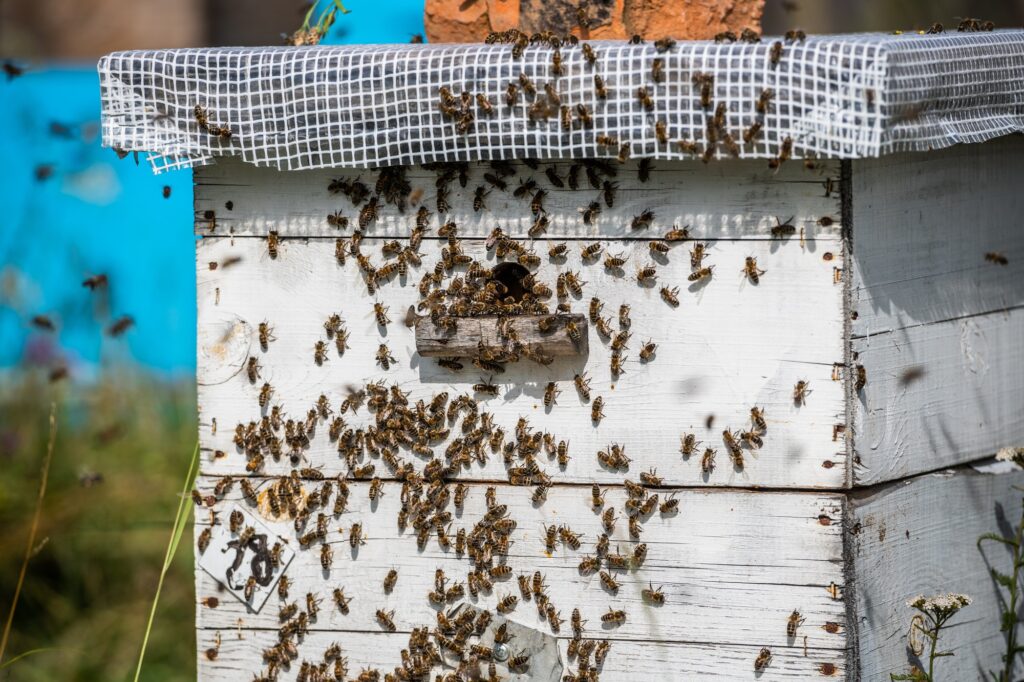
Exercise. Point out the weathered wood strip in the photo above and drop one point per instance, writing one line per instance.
(729, 346)
(923, 224)
(239, 658)
(723, 553)
(728, 200)
(917, 537)
(434, 341)
(938, 395)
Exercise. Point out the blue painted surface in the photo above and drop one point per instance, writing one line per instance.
(97, 213)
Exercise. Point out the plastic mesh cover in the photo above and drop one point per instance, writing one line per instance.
(843, 96)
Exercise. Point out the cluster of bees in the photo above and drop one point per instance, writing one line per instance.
(547, 102)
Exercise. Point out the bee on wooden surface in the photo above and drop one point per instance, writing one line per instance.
(486, 387)
(614, 617)
(608, 582)
(507, 604)
(524, 587)
(550, 538)
(707, 461)
(751, 270)
(519, 662)
(702, 274)
(266, 334)
(252, 370)
(203, 541)
(356, 536)
(646, 274)
(591, 251)
(616, 364)
(595, 307)
(597, 410)
(794, 621)
(642, 221)
(591, 212)
(600, 89)
(997, 258)
(647, 351)
(654, 596)
(651, 477)
(752, 438)
(376, 489)
(558, 251)
(621, 339)
(764, 658)
(575, 284)
(783, 229)
(775, 53)
(569, 537)
(326, 556)
(624, 152)
(635, 529)
(386, 619)
(265, 393)
(390, 580)
(582, 383)
(250, 588)
(384, 357)
(551, 393)
(800, 392)
(380, 313)
(589, 565)
(479, 197)
(235, 521)
(537, 203)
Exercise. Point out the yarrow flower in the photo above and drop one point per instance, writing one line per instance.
(1015, 455)
(940, 605)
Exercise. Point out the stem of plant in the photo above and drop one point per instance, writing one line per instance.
(35, 527)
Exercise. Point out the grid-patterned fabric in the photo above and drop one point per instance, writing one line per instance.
(845, 96)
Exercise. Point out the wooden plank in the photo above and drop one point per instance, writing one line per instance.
(917, 537)
(729, 346)
(922, 226)
(727, 200)
(433, 341)
(239, 658)
(723, 552)
(965, 406)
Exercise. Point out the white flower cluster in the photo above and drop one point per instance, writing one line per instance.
(940, 604)
(1015, 455)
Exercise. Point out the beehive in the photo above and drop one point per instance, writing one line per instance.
(885, 282)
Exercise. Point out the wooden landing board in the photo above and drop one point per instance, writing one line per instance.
(938, 395)
(731, 200)
(732, 564)
(917, 537)
(729, 346)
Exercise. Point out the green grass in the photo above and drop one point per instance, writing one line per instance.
(88, 592)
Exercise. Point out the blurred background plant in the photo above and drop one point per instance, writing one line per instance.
(126, 404)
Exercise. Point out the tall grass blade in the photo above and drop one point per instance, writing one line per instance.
(180, 521)
(35, 526)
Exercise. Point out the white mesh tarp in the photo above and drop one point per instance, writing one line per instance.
(845, 96)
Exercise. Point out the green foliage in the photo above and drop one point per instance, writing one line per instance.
(87, 594)
(1008, 617)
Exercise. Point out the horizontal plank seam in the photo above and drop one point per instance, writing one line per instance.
(860, 491)
(969, 316)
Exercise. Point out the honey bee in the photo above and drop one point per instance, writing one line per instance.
(707, 462)
(386, 619)
(800, 392)
(651, 477)
(751, 270)
(390, 580)
(609, 582)
(997, 258)
(265, 393)
(624, 152)
(451, 364)
(575, 284)
(250, 588)
(507, 604)
(654, 596)
(616, 364)
(204, 540)
(599, 87)
(697, 254)
(614, 262)
(764, 658)
(550, 538)
(582, 383)
(511, 95)
(624, 321)
(326, 556)
(647, 351)
(703, 273)
(591, 212)
(645, 99)
(484, 103)
(670, 505)
(706, 83)
(614, 617)
(369, 212)
(320, 352)
(380, 312)
(763, 100)
(597, 410)
(356, 536)
(677, 234)
(642, 221)
(266, 334)
(661, 132)
(589, 54)
(752, 133)
(253, 370)
(527, 85)
(376, 489)
(591, 251)
(785, 153)
(670, 296)
(646, 273)
(794, 621)
(775, 53)
(384, 357)
(569, 537)
(752, 438)
(551, 393)
(519, 662)
(558, 251)
(537, 202)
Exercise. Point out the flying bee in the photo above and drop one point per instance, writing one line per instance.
(751, 270)
(997, 258)
(707, 462)
(614, 617)
(764, 658)
(384, 357)
(551, 393)
(702, 274)
(380, 312)
(647, 351)
(646, 274)
(800, 392)
(600, 89)
(783, 229)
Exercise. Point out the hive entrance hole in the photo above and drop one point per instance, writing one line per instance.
(511, 275)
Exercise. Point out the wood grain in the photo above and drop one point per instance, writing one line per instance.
(464, 342)
(729, 200)
(938, 395)
(722, 553)
(730, 345)
(922, 226)
(918, 537)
